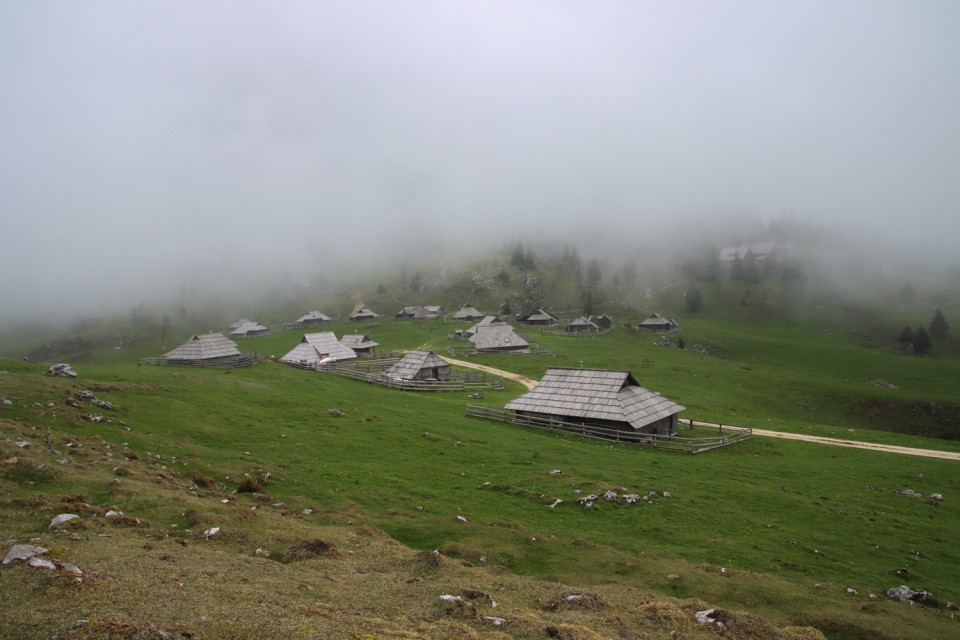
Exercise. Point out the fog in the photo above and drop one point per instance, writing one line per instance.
(145, 143)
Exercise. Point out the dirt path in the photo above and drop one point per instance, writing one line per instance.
(529, 383)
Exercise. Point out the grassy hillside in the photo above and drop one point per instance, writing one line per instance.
(779, 529)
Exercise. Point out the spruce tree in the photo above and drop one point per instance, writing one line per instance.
(938, 326)
(922, 342)
(906, 336)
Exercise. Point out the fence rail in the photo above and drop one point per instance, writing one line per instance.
(710, 437)
(243, 360)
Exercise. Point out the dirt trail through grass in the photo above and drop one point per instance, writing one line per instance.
(529, 383)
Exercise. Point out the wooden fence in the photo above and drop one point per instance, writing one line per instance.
(375, 373)
(698, 439)
(243, 360)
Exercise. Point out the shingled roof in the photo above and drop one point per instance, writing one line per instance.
(498, 337)
(363, 314)
(207, 346)
(249, 329)
(313, 317)
(314, 347)
(358, 341)
(412, 364)
(595, 394)
(467, 313)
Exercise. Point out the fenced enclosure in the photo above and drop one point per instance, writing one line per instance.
(690, 438)
(243, 360)
(374, 372)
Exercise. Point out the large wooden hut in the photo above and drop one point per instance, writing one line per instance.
(420, 366)
(208, 349)
(360, 343)
(488, 321)
(499, 338)
(316, 349)
(602, 398)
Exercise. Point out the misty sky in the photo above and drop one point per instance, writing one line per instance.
(137, 138)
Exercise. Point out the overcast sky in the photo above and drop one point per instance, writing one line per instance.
(138, 137)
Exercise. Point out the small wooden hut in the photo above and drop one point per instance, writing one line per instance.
(420, 366)
(657, 322)
(249, 330)
(316, 349)
(488, 321)
(362, 315)
(597, 397)
(499, 338)
(583, 324)
(360, 343)
(428, 312)
(208, 349)
(313, 317)
(539, 318)
(604, 322)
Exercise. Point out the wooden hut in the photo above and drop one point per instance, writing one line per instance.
(488, 321)
(604, 322)
(657, 322)
(362, 315)
(317, 349)
(467, 313)
(583, 324)
(539, 318)
(427, 312)
(249, 330)
(499, 338)
(209, 349)
(420, 366)
(360, 343)
(313, 317)
(597, 397)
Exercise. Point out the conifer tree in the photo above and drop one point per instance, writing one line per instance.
(921, 341)
(938, 326)
(906, 336)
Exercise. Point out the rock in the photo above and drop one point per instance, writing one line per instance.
(113, 513)
(556, 503)
(936, 497)
(450, 598)
(209, 533)
(711, 616)
(307, 512)
(23, 444)
(610, 496)
(60, 519)
(462, 519)
(40, 563)
(71, 570)
(903, 592)
(556, 472)
(62, 369)
(494, 620)
(22, 552)
(631, 498)
(910, 493)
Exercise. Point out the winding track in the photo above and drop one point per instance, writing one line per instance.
(530, 383)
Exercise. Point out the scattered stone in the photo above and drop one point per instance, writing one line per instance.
(556, 472)
(852, 591)
(667, 494)
(71, 570)
(450, 598)
(23, 444)
(936, 497)
(209, 533)
(879, 382)
(5, 400)
(494, 620)
(336, 413)
(711, 616)
(556, 503)
(587, 501)
(631, 498)
(113, 513)
(307, 512)
(610, 495)
(22, 552)
(60, 519)
(673, 576)
(462, 519)
(40, 563)
(910, 493)
(903, 592)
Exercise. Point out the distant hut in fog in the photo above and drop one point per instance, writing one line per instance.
(539, 318)
(420, 366)
(360, 343)
(604, 322)
(363, 314)
(249, 329)
(582, 324)
(427, 312)
(657, 322)
(313, 317)
(467, 313)
(208, 349)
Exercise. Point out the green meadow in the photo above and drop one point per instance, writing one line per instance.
(800, 534)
